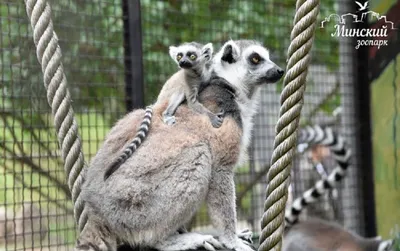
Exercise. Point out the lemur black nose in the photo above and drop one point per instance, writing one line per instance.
(185, 64)
(273, 74)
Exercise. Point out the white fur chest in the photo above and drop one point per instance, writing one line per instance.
(248, 108)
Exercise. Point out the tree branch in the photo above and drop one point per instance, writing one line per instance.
(251, 184)
(328, 96)
(33, 134)
(38, 190)
(35, 168)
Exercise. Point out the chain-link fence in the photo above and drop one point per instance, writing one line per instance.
(104, 74)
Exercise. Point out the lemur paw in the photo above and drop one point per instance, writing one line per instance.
(189, 241)
(217, 119)
(244, 246)
(169, 120)
(96, 245)
(237, 244)
(246, 235)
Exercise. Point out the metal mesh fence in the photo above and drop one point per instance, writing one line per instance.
(33, 192)
(35, 204)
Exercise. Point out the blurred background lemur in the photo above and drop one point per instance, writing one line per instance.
(317, 234)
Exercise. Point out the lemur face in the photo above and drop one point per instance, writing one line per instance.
(191, 55)
(261, 68)
(246, 64)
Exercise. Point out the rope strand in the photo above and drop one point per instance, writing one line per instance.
(286, 129)
(49, 56)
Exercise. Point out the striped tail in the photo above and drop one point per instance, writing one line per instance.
(320, 136)
(136, 142)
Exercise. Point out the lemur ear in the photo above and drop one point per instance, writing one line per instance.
(231, 52)
(207, 51)
(173, 51)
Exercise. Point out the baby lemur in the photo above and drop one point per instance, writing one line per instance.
(195, 61)
(179, 167)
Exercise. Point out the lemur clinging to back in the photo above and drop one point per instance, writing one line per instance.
(195, 61)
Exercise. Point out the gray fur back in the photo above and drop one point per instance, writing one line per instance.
(134, 198)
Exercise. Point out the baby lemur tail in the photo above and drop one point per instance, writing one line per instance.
(135, 143)
(320, 136)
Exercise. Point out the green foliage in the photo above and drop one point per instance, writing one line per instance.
(91, 37)
(386, 175)
(331, 104)
(173, 22)
(396, 237)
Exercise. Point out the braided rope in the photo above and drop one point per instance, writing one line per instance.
(48, 53)
(286, 130)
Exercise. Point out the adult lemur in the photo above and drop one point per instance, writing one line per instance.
(178, 167)
(195, 61)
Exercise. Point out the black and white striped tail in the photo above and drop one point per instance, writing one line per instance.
(136, 142)
(317, 135)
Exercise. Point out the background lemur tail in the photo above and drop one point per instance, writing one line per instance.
(136, 142)
(316, 135)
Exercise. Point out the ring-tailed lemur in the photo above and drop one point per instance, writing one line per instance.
(316, 234)
(167, 182)
(316, 135)
(195, 61)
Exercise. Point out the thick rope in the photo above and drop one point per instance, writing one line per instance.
(49, 55)
(286, 130)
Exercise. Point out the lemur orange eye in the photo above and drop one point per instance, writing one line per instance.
(255, 60)
(179, 56)
(193, 57)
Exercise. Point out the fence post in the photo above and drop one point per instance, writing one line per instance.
(133, 59)
(358, 206)
(133, 56)
(364, 139)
